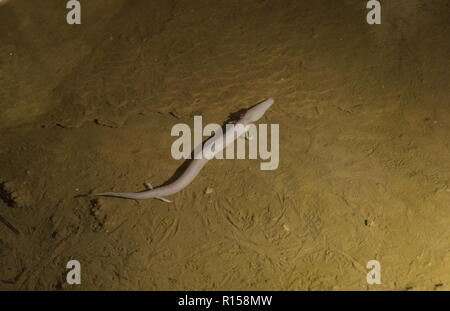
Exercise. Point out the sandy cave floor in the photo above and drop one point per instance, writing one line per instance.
(364, 145)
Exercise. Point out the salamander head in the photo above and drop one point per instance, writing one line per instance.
(256, 112)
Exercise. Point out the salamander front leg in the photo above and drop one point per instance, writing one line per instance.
(246, 136)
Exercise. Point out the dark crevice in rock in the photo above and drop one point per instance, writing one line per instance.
(96, 121)
(6, 196)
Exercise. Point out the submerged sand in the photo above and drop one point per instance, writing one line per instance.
(364, 145)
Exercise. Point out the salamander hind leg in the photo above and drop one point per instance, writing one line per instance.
(150, 187)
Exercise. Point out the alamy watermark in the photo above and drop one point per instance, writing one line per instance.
(73, 17)
(374, 274)
(222, 146)
(374, 15)
(74, 275)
